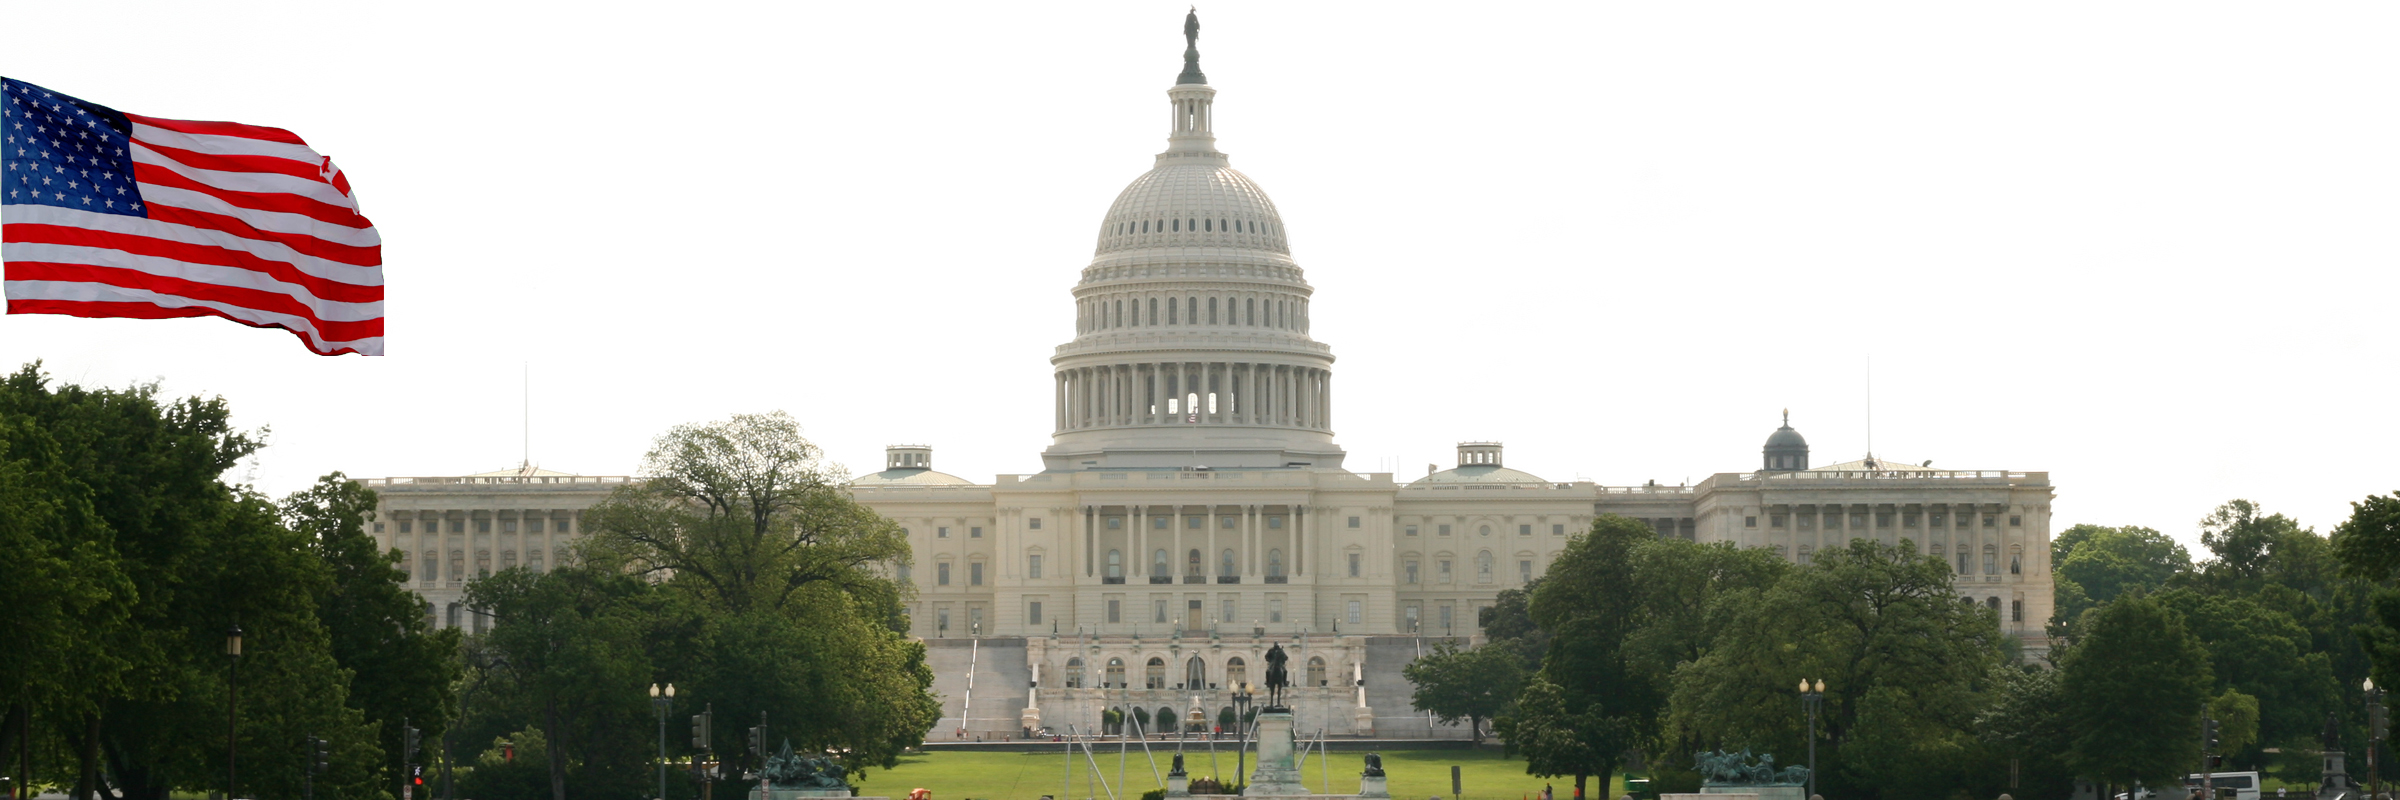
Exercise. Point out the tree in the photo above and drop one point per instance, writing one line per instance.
(2106, 562)
(402, 668)
(2237, 721)
(2368, 543)
(2265, 654)
(1588, 601)
(1508, 622)
(565, 651)
(1471, 684)
(784, 581)
(2134, 683)
(1558, 739)
(1907, 665)
(2026, 722)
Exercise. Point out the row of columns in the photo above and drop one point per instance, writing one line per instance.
(1141, 309)
(1214, 392)
(1253, 534)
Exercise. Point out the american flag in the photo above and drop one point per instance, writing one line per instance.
(109, 214)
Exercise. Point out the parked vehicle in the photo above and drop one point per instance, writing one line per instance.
(2243, 784)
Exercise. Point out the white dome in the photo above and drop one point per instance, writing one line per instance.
(1202, 204)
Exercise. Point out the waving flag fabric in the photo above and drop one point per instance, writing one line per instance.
(109, 214)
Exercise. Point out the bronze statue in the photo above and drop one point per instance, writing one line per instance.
(1374, 765)
(1278, 676)
(1191, 50)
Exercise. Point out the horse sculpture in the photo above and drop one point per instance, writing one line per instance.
(1278, 677)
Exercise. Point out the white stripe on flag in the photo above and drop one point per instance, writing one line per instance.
(226, 145)
(328, 310)
(276, 221)
(78, 292)
(267, 182)
(210, 237)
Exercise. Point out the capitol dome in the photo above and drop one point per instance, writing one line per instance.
(1192, 344)
(1479, 464)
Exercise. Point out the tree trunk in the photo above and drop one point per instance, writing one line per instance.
(9, 727)
(87, 757)
(1475, 728)
(1579, 786)
(558, 750)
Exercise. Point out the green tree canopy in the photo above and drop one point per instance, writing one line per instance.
(1474, 685)
(2136, 680)
(2107, 562)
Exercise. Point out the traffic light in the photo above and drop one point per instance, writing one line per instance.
(758, 739)
(320, 755)
(2208, 735)
(409, 749)
(2376, 720)
(700, 725)
(416, 775)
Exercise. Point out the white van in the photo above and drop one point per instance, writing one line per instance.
(2243, 784)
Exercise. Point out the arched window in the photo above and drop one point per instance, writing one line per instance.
(1225, 563)
(1154, 674)
(1275, 563)
(1165, 720)
(1237, 672)
(1993, 603)
(1074, 673)
(2016, 561)
(1991, 564)
(458, 566)
(1158, 564)
(1191, 562)
(1195, 674)
(1804, 552)
(2016, 611)
(1316, 671)
(1116, 564)
(1483, 567)
(408, 566)
(508, 559)
(1116, 674)
(453, 615)
(433, 564)
(1153, 311)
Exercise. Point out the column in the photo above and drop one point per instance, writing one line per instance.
(1140, 545)
(1084, 515)
(1175, 556)
(1250, 540)
(1325, 410)
(1058, 402)
(1299, 541)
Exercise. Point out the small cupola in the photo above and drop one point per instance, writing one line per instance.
(908, 456)
(1479, 454)
(1786, 449)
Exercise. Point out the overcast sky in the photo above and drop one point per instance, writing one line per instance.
(2146, 247)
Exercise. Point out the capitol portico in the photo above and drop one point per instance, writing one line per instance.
(1193, 508)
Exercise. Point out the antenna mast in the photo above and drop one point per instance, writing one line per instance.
(1870, 405)
(525, 422)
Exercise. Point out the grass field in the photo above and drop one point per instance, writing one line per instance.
(1028, 776)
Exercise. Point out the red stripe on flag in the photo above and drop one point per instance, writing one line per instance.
(237, 163)
(100, 310)
(260, 201)
(325, 288)
(271, 302)
(307, 245)
(220, 129)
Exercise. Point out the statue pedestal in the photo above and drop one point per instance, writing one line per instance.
(1275, 776)
(1179, 785)
(797, 794)
(1372, 786)
(1362, 721)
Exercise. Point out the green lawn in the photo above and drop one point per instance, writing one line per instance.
(1027, 776)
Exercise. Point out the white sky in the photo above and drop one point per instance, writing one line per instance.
(2147, 247)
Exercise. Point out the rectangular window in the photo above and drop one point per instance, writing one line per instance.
(1775, 520)
(1908, 520)
(1441, 571)
(1033, 613)
(1988, 519)
(1033, 523)
(941, 533)
(379, 527)
(537, 566)
(1883, 520)
(1354, 522)
(2016, 611)
(975, 574)
(1808, 521)
(1159, 612)
(1936, 520)
(1524, 572)
(1412, 529)
(1115, 523)
(533, 525)
(1442, 530)
(1446, 619)
(942, 620)
(483, 526)
(1228, 606)
(508, 526)
(1354, 558)
(941, 574)
(1115, 609)
(1228, 523)
(1274, 610)
(975, 532)
(2016, 564)
(1410, 616)
(1558, 530)
(1033, 565)
(1524, 530)
(404, 527)
(1412, 572)
(1158, 523)
(458, 526)
(1858, 521)
(1354, 615)
(1192, 523)
(1749, 522)
(1275, 523)
(2015, 521)
(1991, 563)
(1962, 563)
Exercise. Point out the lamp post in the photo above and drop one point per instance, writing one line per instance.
(1241, 719)
(233, 662)
(2375, 725)
(662, 699)
(1812, 697)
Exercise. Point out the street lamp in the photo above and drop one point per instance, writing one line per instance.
(662, 699)
(233, 660)
(2375, 726)
(1242, 695)
(1812, 697)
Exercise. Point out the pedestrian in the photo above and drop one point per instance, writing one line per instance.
(1546, 793)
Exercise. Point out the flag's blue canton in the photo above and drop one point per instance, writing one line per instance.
(56, 150)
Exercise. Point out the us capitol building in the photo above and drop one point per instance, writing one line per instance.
(1193, 508)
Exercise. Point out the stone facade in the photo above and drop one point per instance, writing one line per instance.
(449, 529)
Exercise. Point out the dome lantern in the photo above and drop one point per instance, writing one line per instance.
(1786, 449)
